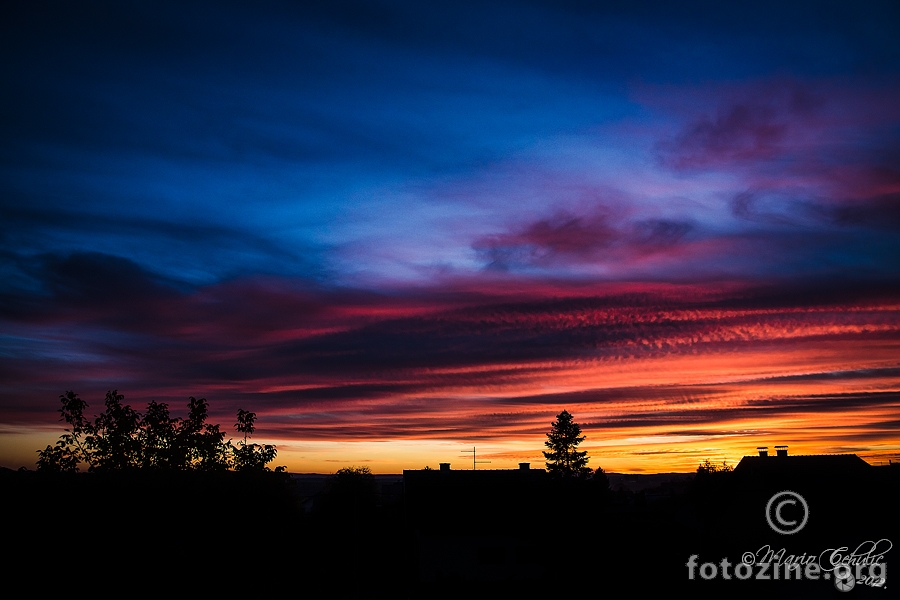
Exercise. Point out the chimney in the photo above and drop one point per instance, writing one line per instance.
(763, 450)
(524, 466)
(781, 450)
(445, 466)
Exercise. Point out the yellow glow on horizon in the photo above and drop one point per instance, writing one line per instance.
(641, 413)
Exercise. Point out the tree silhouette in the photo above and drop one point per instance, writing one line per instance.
(204, 444)
(354, 481)
(58, 458)
(121, 438)
(245, 420)
(708, 467)
(159, 438)
(564, 459)
(352, 492)
(70, 449)
(115, 436)
(251, 457)
(600, 482)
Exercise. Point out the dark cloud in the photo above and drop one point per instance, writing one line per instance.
(100, 281)
(586, 239)
(441, 417)
(760, 409)
(879, 213)
(87, 286)
(246, 333)
(659, 234)
(546, 240)
(744, 133)
(185, 251)
(767, 209)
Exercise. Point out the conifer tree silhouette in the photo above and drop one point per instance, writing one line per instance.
(563, 458)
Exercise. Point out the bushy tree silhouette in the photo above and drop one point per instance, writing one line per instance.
(352, 493)
(354, 481)
(563, 458)
(251, 457)
(71, 448)
(58, 458)
(159, 438)
(115, 439)
(708, 467)
(203, 443)
(120, 439)
(245, 420)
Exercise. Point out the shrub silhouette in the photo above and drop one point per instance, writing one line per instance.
(708, 467)
(351, 493)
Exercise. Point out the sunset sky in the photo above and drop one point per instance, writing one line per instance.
(397, 230)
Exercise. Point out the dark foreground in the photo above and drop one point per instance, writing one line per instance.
(442, 535)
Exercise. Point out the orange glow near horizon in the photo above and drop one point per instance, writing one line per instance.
(736, 397)
(682, 387)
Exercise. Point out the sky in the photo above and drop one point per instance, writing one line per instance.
(398, 230)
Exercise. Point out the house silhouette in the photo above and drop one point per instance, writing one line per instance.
(475, 525)
(807, 466)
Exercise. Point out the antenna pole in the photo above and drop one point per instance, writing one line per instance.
(474, 462)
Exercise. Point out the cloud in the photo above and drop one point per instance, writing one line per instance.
(879, 213)
(743, 133)
(599, 237)
(562, 236)
(292, 345)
